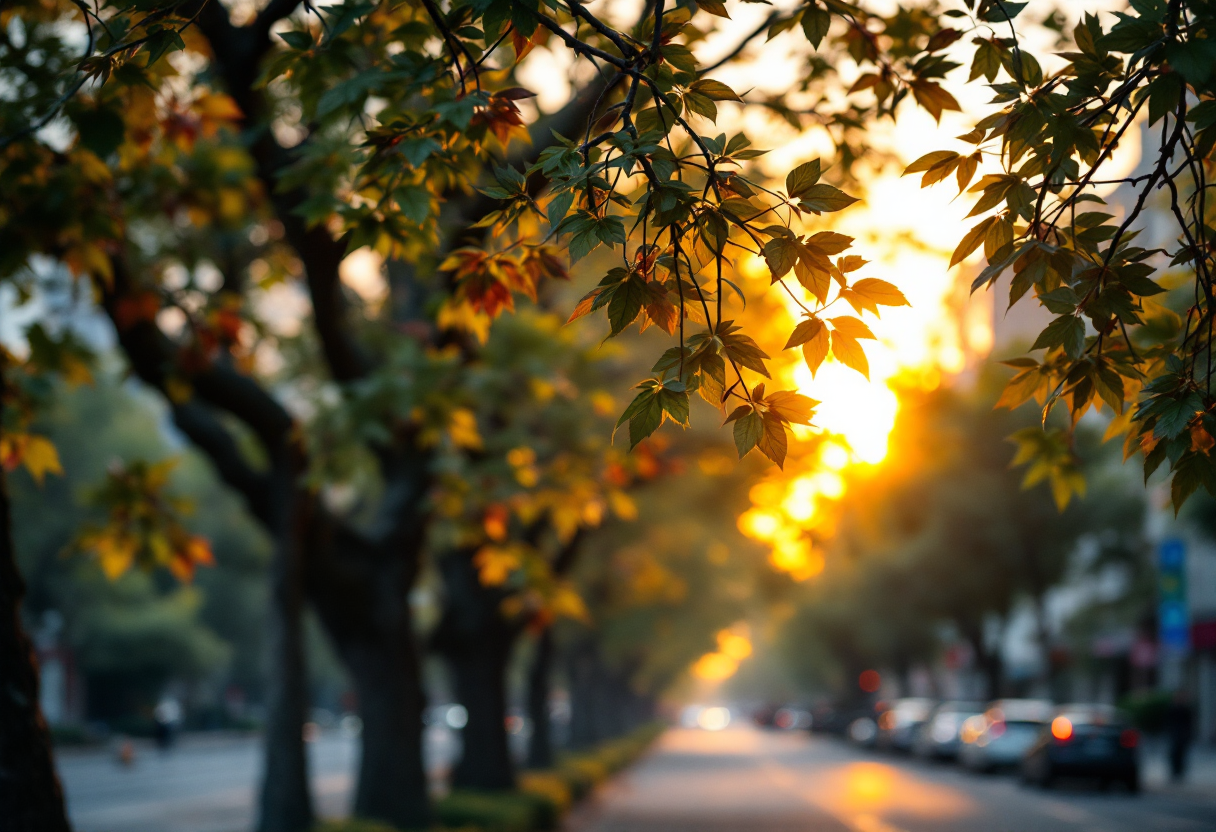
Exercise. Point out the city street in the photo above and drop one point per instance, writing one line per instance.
(737, 780)
(745, 780)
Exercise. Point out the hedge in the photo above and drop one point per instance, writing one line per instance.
(539, 803)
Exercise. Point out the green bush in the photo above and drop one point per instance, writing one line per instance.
(1147, 709)
(496, 811)
(354, 825)
(543, 796)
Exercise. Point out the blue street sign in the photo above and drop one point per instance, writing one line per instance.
(1173, 617)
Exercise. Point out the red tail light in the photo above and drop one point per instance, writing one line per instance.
(1129, 738)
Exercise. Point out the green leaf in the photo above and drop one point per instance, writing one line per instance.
(820, 198)
(1065, 331)
(802, 178)
(987, 61)
(101, 130)
(748, 430)
(714, 90)
(781, 253)
(646, 420)
(1000, 11)
(1175, 414)
(815, 25)
(674, 403)
(627, 301)
(715, 7)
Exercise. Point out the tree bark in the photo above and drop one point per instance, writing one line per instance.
(286, 801)
(476, 642)
(590, 722)
(990, 662)
(31, 799)
(540, 743)
(359, 585)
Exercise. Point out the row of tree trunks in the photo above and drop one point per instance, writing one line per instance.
(603, 703)
(31, 799)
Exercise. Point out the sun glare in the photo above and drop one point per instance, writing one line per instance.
(734, 645)
(908, 235)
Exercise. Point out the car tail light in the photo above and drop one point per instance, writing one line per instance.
(1061, 728)
(1129, 738)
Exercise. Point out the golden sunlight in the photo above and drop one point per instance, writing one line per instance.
(734, 645)
(908, 234)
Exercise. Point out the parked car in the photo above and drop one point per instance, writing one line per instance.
(897, 725)
(1002, 735)
(938, 737)
(1093, 741)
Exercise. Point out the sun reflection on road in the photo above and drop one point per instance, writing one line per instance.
(873, 795)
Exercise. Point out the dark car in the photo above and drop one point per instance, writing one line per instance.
(1090, 741)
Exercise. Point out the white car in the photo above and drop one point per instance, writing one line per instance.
(1001, 736)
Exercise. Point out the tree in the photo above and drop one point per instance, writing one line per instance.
(29, 787)
(184, 185)
(964, 536)
(1127, 333)
(512, 507)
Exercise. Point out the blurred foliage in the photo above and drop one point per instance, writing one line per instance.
(134, 634)
(943, 541)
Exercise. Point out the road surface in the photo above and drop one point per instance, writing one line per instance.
(206, 783)
(746, 780)
(737, 780)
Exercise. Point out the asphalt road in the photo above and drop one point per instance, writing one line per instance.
(737, 780)
(746, 780)
(205, 783)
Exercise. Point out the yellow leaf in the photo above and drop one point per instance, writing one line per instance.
(219, 107)
(115, 553)
(462, 429)
(463, 317)
(566, 602)
(622, 505)
(40, 458)
(495, 564)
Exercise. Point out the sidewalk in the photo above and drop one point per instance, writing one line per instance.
(1201, 771)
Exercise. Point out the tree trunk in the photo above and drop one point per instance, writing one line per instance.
(540, 743)
(31, 799)
(360, 589)
(591, 717)
(476, 641)
(989, 661)
(392, 780)
(286, 802)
